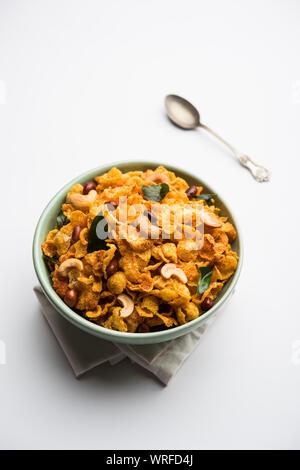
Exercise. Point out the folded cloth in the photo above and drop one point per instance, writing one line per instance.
(84, 351)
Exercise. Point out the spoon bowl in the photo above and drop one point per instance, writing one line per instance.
(182, 112)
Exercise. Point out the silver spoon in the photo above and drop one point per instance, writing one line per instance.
(185, 115)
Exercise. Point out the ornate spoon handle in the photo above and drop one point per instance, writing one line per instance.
(258, 172)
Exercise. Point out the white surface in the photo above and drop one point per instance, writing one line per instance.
(82, 83)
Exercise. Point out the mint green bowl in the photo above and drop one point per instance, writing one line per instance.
(47, 222)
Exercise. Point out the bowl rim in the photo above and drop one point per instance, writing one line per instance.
(97, 330)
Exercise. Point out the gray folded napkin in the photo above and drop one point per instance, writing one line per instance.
(84, 351)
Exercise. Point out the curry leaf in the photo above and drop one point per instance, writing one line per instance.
(50, 262)
(61, 220)
(206, 198)
(204, 279)
(155, 192)
(98, 234)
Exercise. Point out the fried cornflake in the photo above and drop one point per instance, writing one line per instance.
(153, 267)
(166, 294)
(60, 285)
(143, 313)
(114, 321)
(132, 322)
(78, 218)
(227, 267)
(80, 250)
(97, 286)
(95, 260)
(180, 316)
(150, 303)
(51, 235)
(83, 236)
(230, 231)
(165, 252)
(76, 188)
(139, 259)
(138, 243)
(142, 259)
(191, 271)
(168, 321)
(207, 252)
(94, 314)
(187, 250)
(212, 291)
(85, 280)
(171, 291)
(49, 248)
(191, 311)
(216, 275)
(66, 230)
(147, 306)
(111, 179)
(221, 241)
(62, 242)
(67, 210)
(169, 252)
(145, 283)
(88, 300)
(179, 185)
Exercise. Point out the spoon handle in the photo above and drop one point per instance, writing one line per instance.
(258, 172)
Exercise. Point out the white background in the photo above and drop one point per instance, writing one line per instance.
(83, 84)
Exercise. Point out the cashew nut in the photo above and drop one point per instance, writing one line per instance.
(171, 269)
(210, 219)
(82, 201)
(128, 305)
(66, 266)
(157, 177)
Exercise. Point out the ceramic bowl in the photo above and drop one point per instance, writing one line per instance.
(47, 222)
